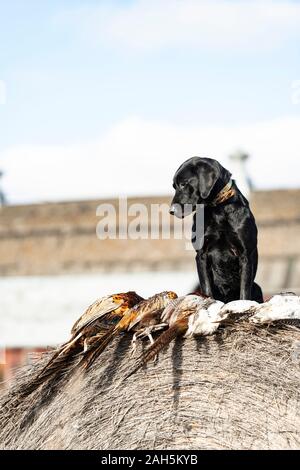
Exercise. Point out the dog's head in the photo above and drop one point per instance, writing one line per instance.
(197, 181)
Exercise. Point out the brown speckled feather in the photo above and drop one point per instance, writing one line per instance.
(116, 304)
(177, 315)
(150, 308)
(91, 327)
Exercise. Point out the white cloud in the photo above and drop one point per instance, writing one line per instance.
(206, 24)
(139, 157)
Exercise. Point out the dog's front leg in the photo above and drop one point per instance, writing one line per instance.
(246, 275)
(202, 268)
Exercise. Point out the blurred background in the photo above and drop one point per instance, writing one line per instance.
(101, 99)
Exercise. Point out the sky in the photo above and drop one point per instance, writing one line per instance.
(105, 98)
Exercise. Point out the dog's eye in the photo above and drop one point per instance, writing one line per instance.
(183, 184)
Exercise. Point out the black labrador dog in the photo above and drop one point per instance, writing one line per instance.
(227, 254)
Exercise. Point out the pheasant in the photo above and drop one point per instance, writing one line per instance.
(146, 314)
(149, 321)
(177, 316)
(94, 323)
(206, 319)
(278, 310)
(236, 310)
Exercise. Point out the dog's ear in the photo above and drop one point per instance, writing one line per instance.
(208, 175)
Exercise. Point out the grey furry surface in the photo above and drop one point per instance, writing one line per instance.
(238, 389)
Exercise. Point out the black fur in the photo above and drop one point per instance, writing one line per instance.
(227, 255)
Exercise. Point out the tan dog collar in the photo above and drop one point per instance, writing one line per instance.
(226, 193)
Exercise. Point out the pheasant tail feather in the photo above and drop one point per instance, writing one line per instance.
(97, 348)
(164, 339)
(55, 367)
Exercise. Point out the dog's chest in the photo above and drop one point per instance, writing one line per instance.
(218, 235)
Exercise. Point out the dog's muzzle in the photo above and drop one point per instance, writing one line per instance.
(173, 209)
(181, 211)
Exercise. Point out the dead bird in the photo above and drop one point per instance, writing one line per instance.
(177, 316)
(149, 321)
(96, 320)
(149, 309)
(280, 309)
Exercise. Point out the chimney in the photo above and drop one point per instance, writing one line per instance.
(239, 172)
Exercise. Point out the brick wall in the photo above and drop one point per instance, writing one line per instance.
(61, 238)
(15, 358)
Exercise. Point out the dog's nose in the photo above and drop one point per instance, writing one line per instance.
(172, 209)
